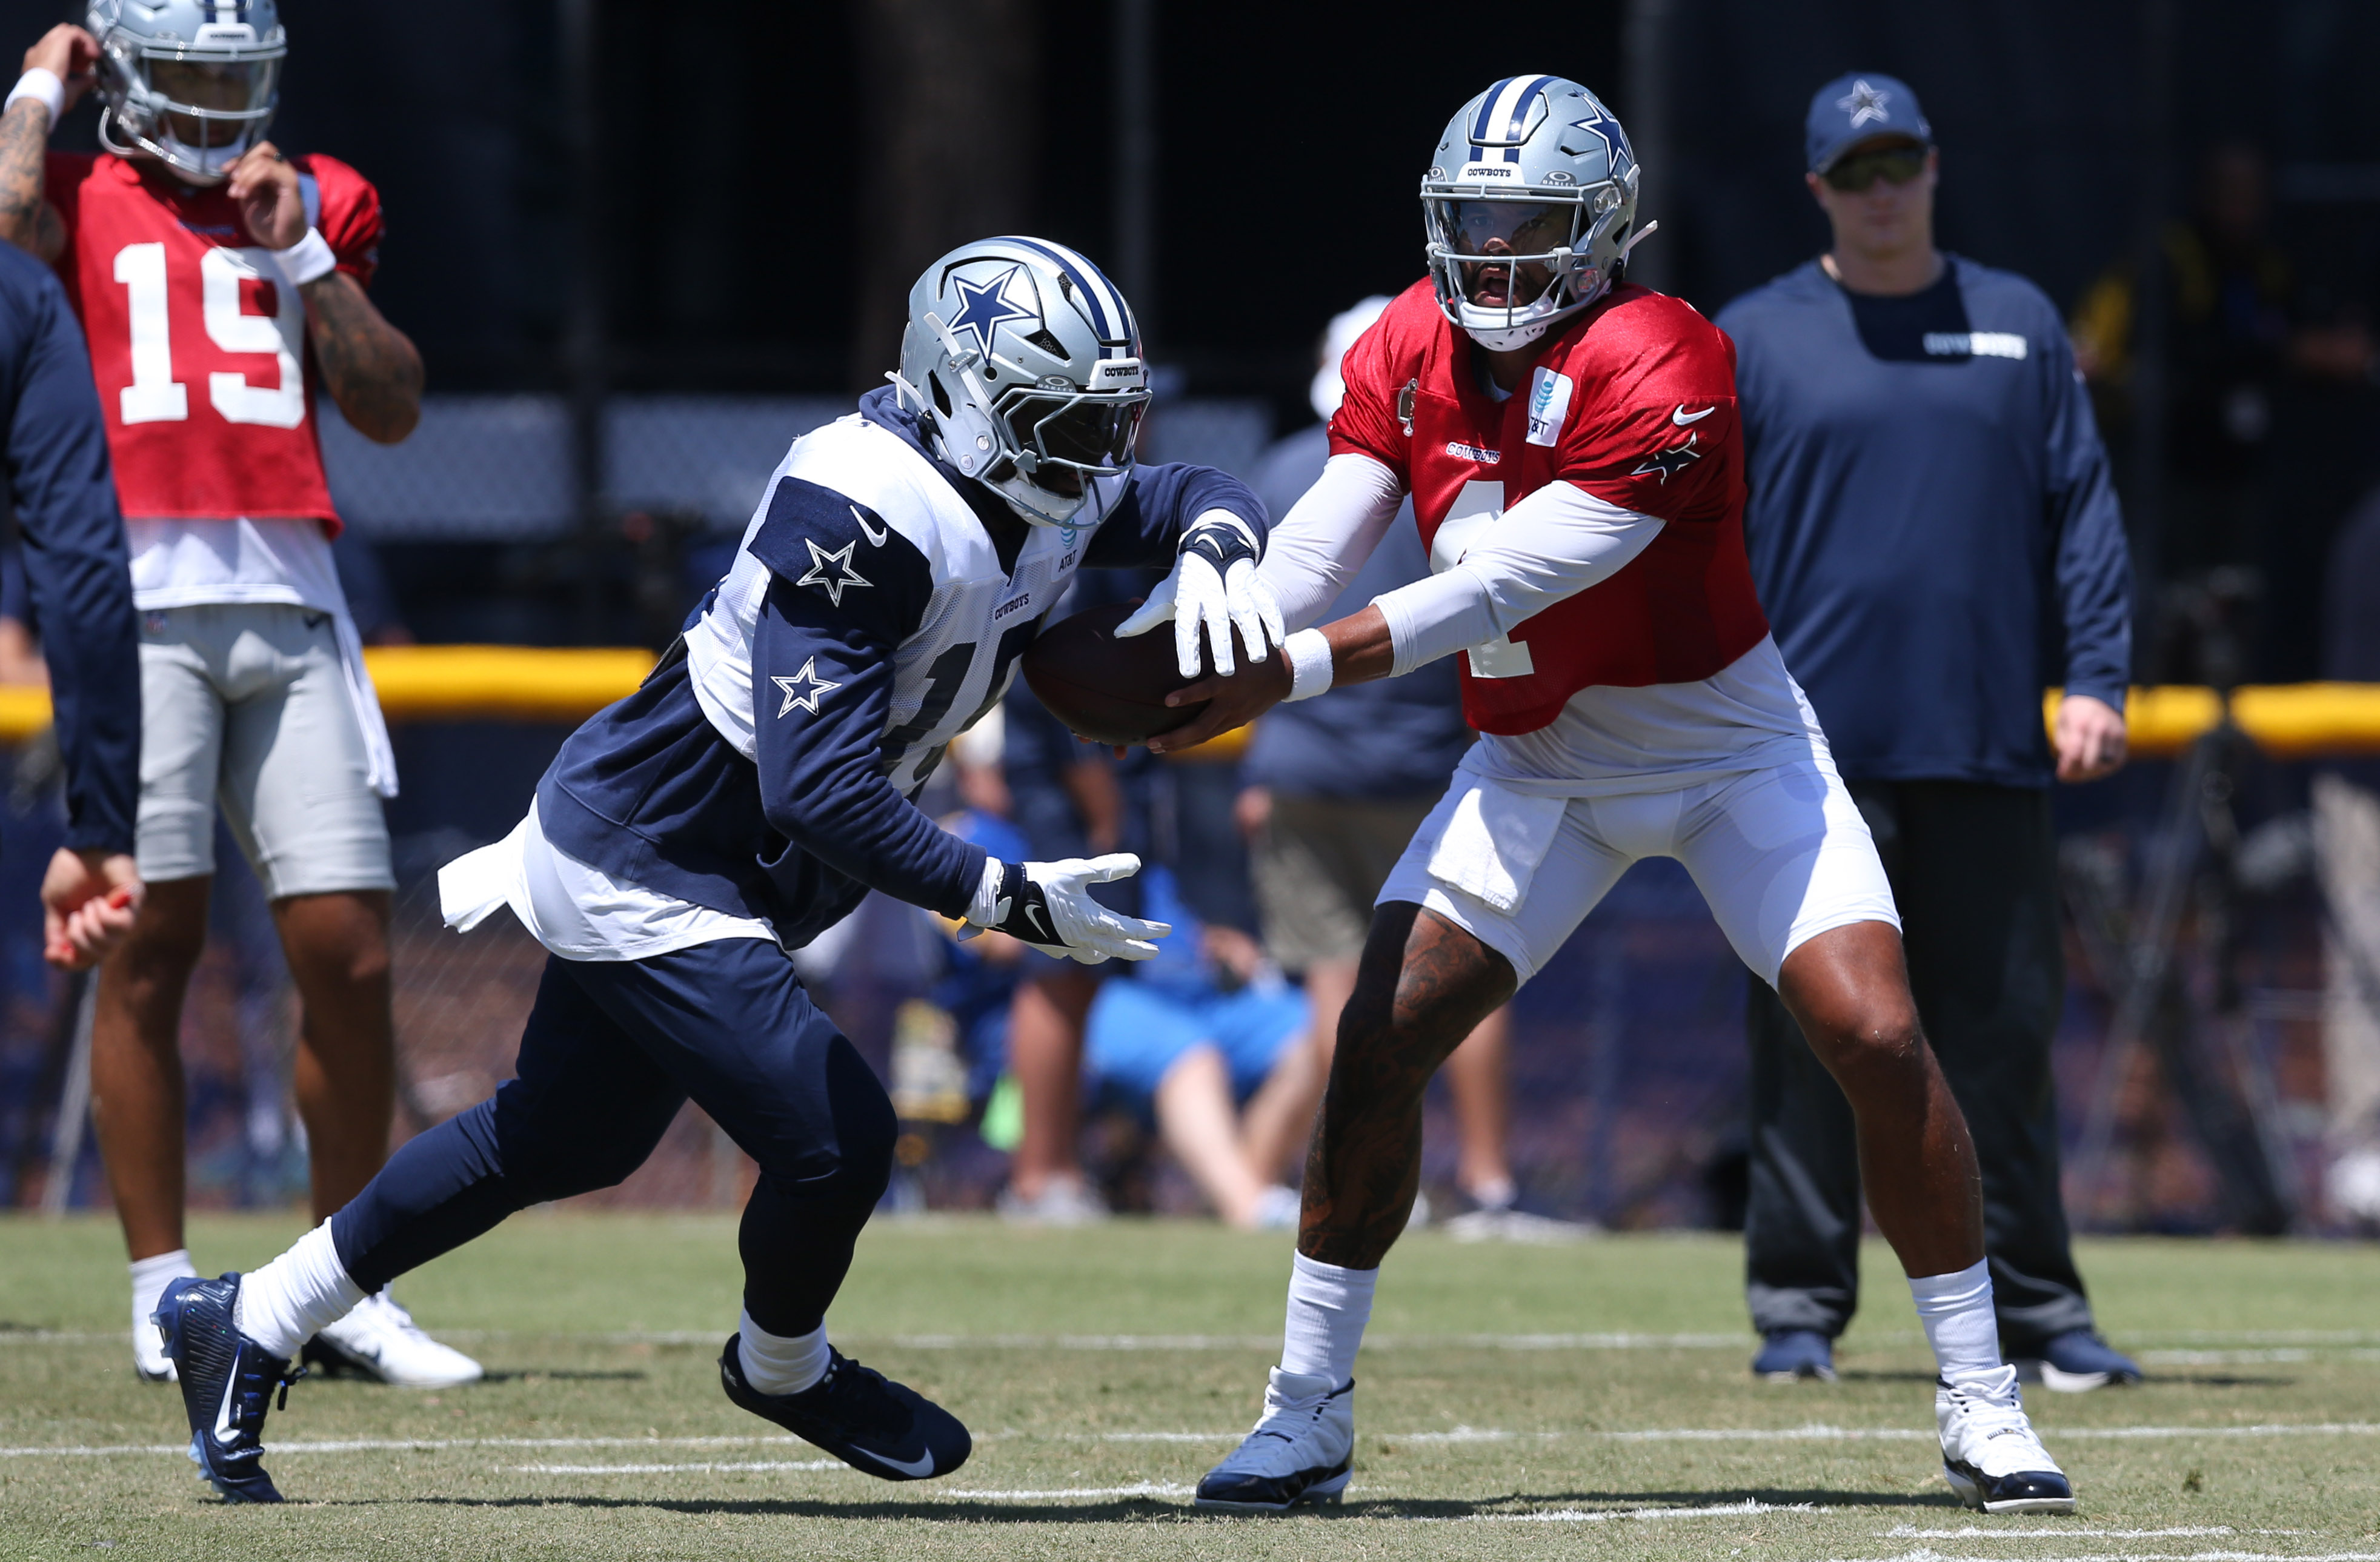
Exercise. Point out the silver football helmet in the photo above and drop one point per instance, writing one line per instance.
(192, 83)
(1023, 363)
(1536, 174)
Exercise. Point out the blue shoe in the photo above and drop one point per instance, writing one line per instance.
(2076, 1362)
(873, 1424)
(228, 1382)
(1790, 1355)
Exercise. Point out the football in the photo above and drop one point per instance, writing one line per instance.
(1104, 688)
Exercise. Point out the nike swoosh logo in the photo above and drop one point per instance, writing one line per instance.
(225, 1435)
(916, 1469)
(1033, 915)
(875, 538)
(1681, 416)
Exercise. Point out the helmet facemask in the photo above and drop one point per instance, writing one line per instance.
(196, 107)
(1042, 447)
(1541, 238)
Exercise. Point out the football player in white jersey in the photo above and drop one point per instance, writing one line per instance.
(744, 800)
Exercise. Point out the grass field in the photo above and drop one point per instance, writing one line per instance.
(1515, 1402)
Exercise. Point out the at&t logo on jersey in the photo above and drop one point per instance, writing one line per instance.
(1548, 405)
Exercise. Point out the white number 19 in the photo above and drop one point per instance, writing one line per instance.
(155, 396)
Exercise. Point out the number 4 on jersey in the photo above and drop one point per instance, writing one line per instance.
(155, 396)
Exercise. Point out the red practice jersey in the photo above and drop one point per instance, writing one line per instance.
(198, 345)
(1635, 402)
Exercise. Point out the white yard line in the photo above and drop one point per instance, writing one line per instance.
(1610, 1515)
(2054, 1530)
(674, 1469)
(1927, 1554)
(1137, 1489)
(1811, 1434)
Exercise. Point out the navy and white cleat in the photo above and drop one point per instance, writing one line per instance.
(1790, 1355)
(227, 1382)
(2076, 1362)
(1990, 1454)
(1300, 1451)
(873, 1424)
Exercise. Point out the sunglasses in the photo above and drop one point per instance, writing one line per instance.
(1894, 165)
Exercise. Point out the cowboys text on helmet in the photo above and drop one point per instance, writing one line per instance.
(1529, 209)
(1023, 362)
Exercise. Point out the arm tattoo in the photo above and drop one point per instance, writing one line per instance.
(369, 367)
(27, 219)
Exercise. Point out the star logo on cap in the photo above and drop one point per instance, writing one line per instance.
(804, 688)
(984, 307)
(842, 578)
(1864, 103)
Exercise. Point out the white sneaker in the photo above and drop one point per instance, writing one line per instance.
(1990, 1454)
(1064, 1201)
(1277, 1209)
(380, 1339)
(1300, 1451)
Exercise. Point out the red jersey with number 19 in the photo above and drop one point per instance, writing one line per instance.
(1634, 403)
(198, 342)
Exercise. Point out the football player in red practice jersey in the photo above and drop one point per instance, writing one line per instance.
(219, 283)
(1571, 446)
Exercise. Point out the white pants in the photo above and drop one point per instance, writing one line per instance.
(2347, 855)
(249, 704)
(1780, 852)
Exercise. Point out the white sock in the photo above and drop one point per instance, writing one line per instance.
(150, 1278)
(296, 1296)
(1328, 1309)
(781, 1363)
(1960, 1323)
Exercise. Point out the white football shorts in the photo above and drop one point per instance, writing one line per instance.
(247, 704)
(1780, 852)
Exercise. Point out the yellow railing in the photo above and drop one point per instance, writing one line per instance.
(530, 684)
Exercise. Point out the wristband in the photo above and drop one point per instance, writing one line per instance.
(44, 88)
(309, 260)
(1310, 669)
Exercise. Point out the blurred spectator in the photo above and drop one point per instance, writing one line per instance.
(2239, 336)
(2347, 856)
(1936, 540)
(1336, 787)
(1070, 799)
(1207, 1042)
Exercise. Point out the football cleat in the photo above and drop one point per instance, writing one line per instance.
(379, 1339)
(1990, 1454)
(1300, 1451)
(228, 1384)
(2076, 1362)
(1790, 1355)
(873, 1424)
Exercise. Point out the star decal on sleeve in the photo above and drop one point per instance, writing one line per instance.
(982, 307)
(1665, 462)
(804, 688)
(1864, 103)
(843, 576)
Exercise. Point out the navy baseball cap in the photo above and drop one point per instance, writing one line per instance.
(1862, 107)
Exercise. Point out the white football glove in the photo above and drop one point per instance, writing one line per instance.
(1213, 586)
(1048, 905)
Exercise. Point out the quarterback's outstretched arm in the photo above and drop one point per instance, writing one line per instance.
(1316, 548)
(1552, 545)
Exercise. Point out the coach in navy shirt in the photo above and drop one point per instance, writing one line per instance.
(80, 582)
(1935, 542)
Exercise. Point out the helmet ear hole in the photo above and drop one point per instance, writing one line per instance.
(942, 396)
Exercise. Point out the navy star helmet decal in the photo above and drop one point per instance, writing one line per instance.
(836, 560)
(1864, 103)
(803, 689)
(1604, 129)
(984, 305)
(1674, 459)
